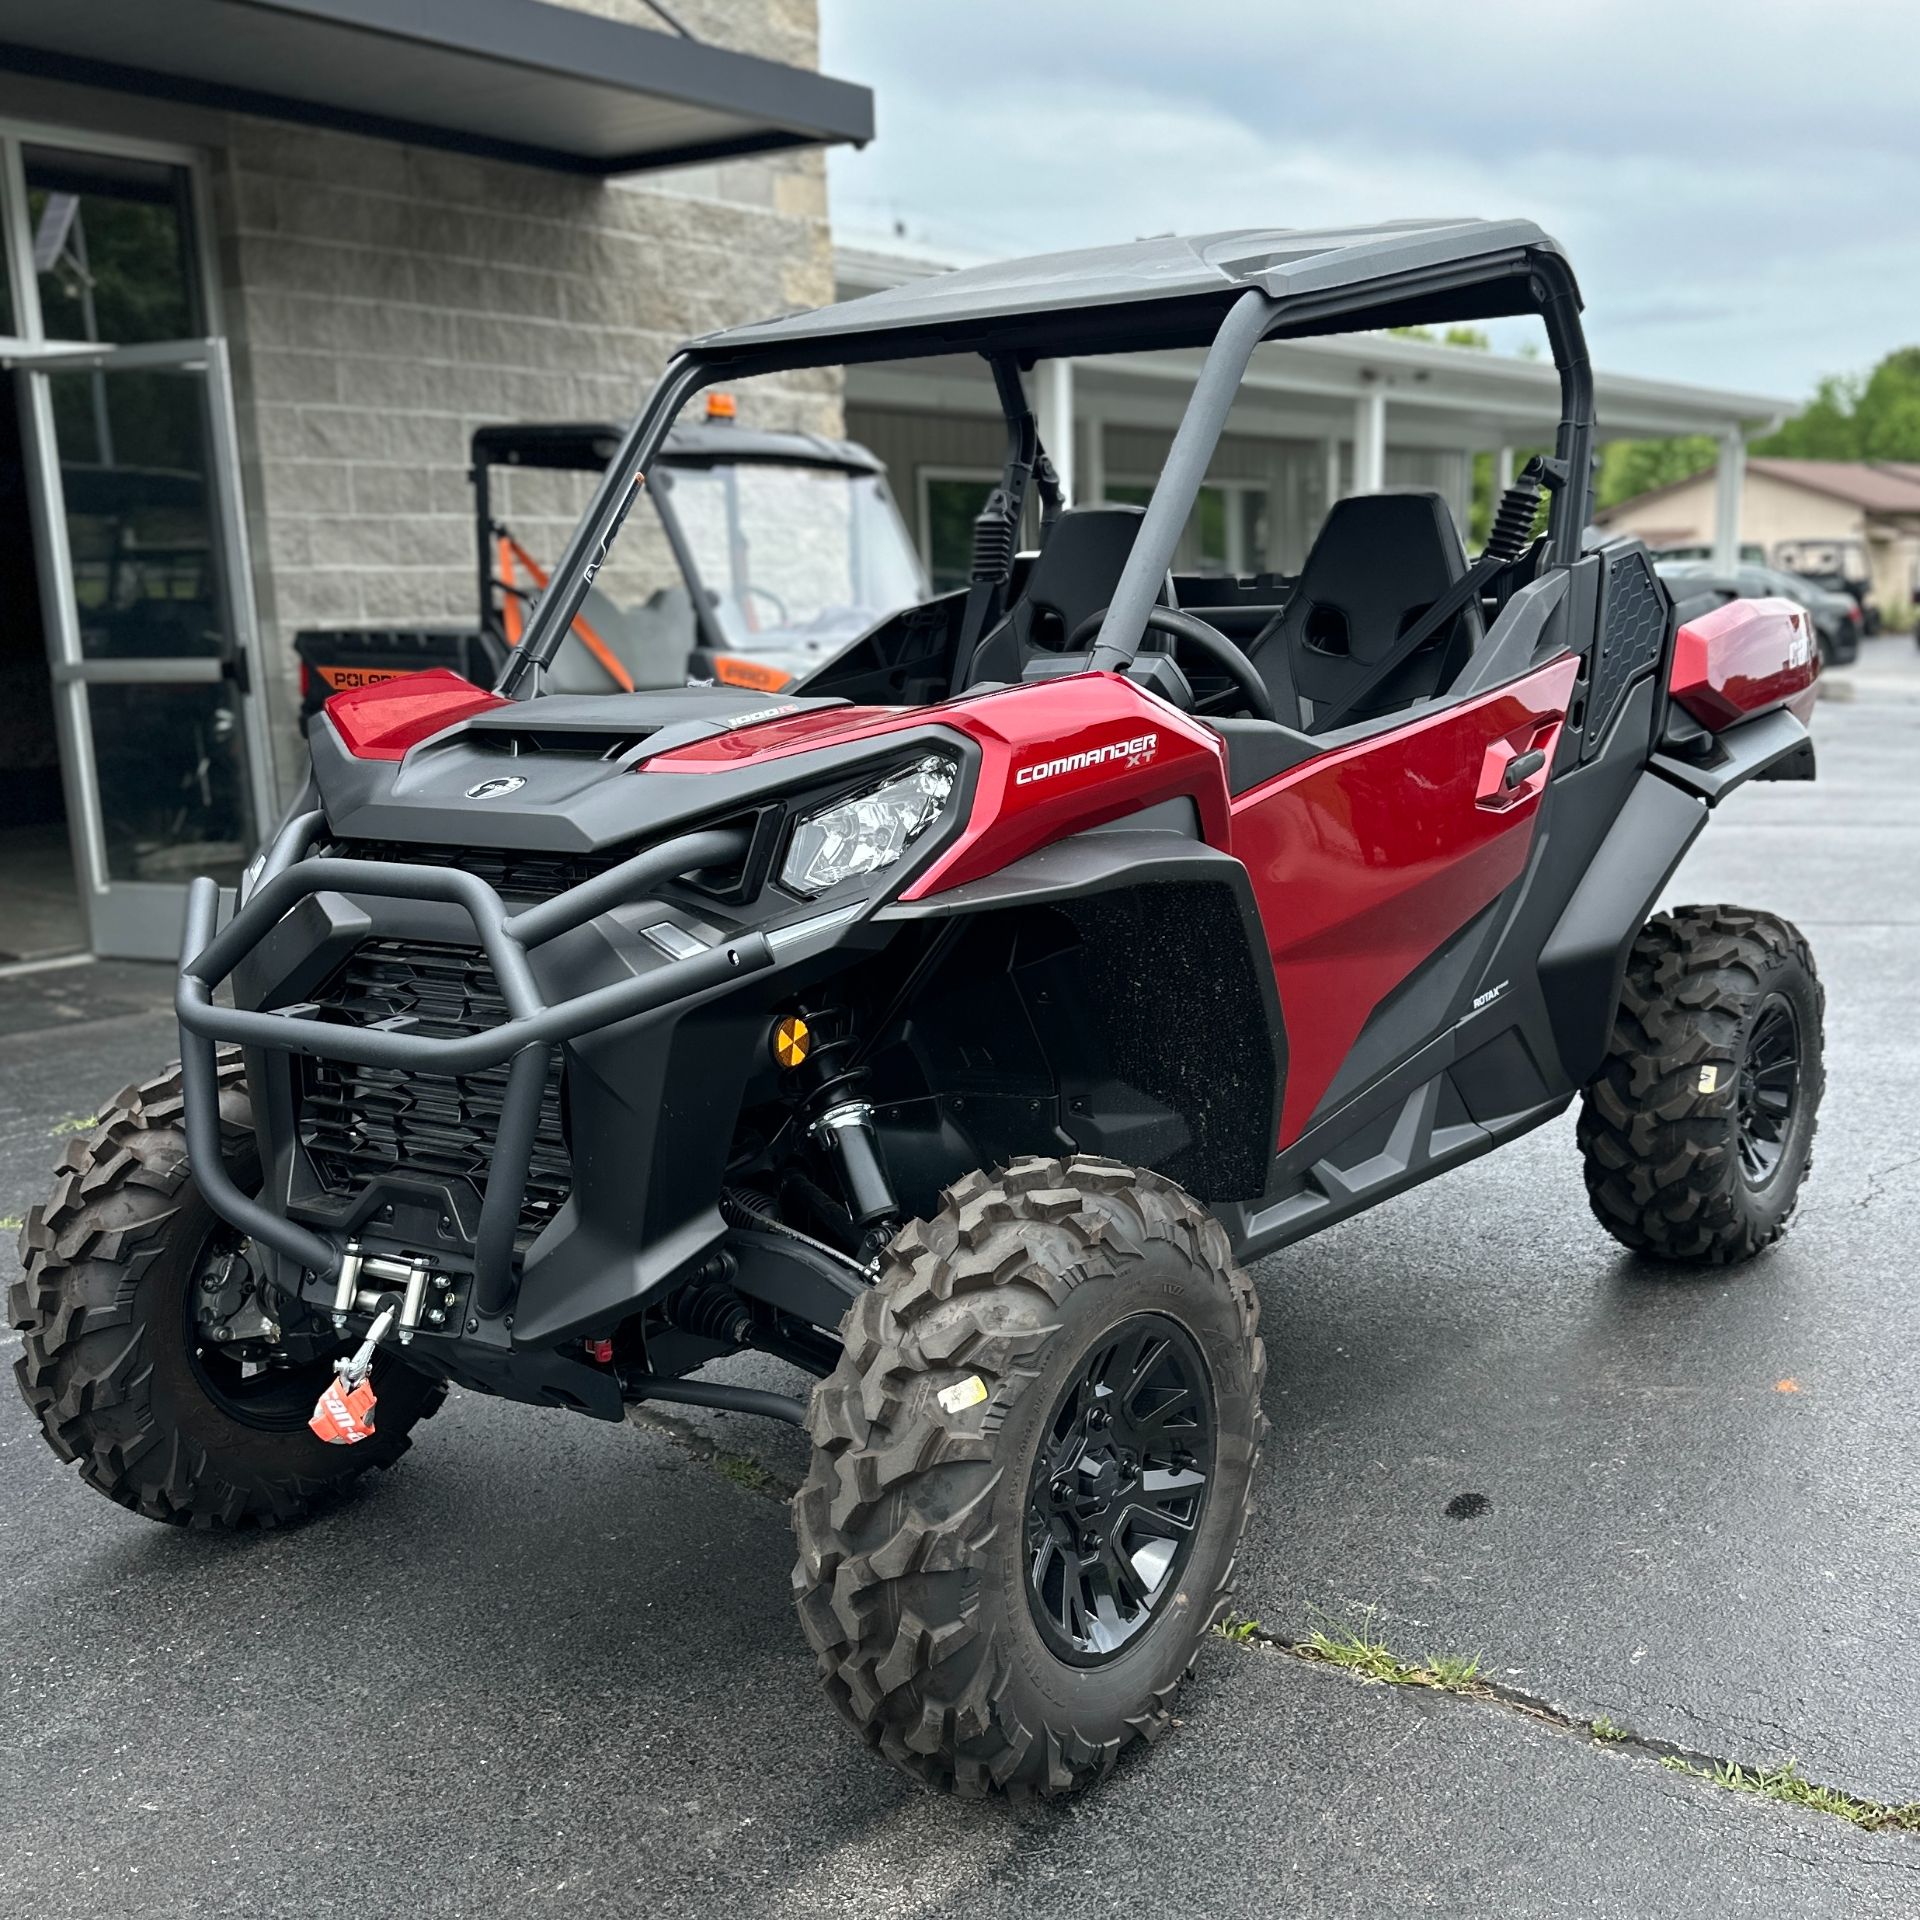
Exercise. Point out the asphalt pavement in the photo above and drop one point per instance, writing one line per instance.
(548, 1664)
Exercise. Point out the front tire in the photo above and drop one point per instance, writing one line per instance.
(1698, 1130)
(110, 1364)
(1031, 1470)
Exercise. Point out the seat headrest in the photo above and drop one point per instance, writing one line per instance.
(1077, 569)
(1378, 556)
(1380, 561)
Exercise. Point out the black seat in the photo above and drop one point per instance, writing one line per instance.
(1380, 561)
(1073, 576)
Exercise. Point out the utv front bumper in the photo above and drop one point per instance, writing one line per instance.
(522, 1042)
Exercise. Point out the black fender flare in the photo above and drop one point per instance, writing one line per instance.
(1771, 746)
(1140, 853)
(1584, 961)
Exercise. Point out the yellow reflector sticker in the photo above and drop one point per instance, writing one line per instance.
(963, 1394)
(791, 1039)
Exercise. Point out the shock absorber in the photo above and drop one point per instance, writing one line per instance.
(836, 1114)
(1518, 508)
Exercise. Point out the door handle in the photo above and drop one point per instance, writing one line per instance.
(1514, 770)
(1523, 766)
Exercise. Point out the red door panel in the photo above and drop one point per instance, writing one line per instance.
(1367, 859)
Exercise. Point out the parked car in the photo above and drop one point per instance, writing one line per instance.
(1752, 553)
(1841, 566)
(1697, 585)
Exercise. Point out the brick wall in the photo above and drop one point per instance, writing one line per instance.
(382, 301)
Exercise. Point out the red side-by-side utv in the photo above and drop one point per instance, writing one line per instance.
(958, 1026)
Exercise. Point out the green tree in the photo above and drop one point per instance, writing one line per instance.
(1826, 428)
(1629, 467)
(1850, 418)
(1476, 339)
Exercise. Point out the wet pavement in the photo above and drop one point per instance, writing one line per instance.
(552, 1663)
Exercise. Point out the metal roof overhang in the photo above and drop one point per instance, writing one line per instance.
(511, 79)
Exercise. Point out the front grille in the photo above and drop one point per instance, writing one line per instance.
(359, 1123)
(512, 873)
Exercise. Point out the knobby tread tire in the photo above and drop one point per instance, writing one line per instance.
(1662, 1164)
(901, 1514)
(99, 1293)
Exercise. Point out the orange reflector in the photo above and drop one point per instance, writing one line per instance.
(791, 1040)
(732, 671)
(722, 406)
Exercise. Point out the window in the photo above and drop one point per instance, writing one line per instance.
(112, 248)
(949, 504)
(1226, 532)
(793, 550)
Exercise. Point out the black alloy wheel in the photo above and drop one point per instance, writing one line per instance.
(1118, 1489)
(1768, 1097)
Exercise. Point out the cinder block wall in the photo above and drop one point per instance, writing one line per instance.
(382, 301)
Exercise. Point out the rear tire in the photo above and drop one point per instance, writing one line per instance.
(109, 1363)
(1698, 1131)
(948, 1547)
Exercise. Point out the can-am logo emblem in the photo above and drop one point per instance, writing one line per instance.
(1116, 753)
(493, 789)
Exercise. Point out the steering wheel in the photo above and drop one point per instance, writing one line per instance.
(756, 591)
(1209, 640)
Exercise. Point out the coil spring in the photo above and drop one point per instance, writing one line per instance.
(835, 1078)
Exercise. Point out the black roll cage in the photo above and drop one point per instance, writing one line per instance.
(1246, 316)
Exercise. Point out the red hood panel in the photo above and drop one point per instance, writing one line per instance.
(1056, 756)
(381, 721)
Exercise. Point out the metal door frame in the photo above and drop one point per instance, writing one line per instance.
(133, 918)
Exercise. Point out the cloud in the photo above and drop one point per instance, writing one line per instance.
(1739, 188)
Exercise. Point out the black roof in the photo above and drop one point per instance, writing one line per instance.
(1171, 290)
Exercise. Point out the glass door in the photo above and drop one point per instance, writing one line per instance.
(133, 467)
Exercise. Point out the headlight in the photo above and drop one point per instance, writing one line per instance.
(869, 831)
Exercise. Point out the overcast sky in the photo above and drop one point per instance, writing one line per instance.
(1738, 187)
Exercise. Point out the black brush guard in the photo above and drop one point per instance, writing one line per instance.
(525, 1039)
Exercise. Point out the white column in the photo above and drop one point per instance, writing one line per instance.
(1370, 441)
(1502, 470)
(1729, 489)
(1094, 489)
(1053, 412)
(1330, 476)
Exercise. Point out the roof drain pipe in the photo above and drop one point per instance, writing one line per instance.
(1179, 484)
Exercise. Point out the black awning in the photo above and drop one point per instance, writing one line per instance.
(514, 79)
